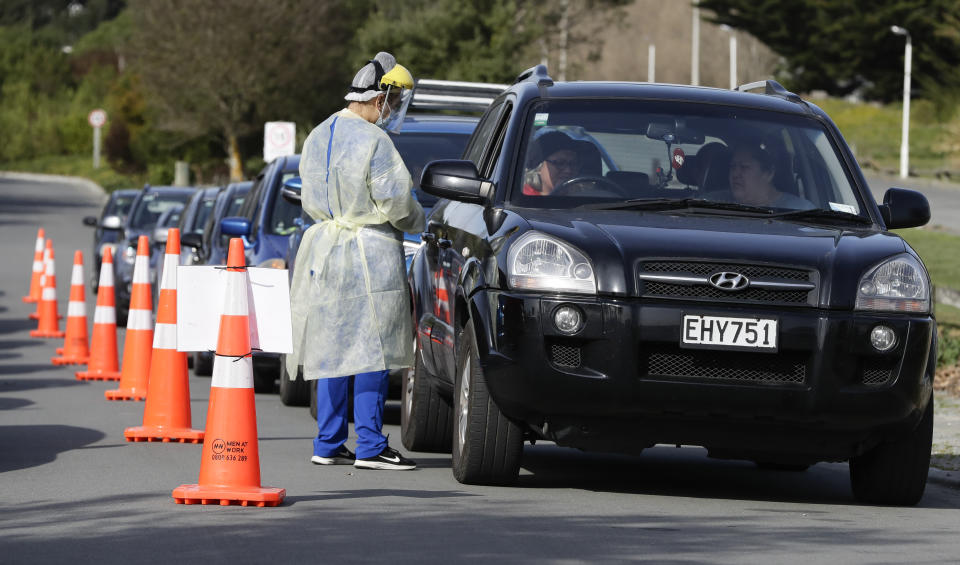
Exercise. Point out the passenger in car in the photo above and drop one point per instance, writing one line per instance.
(752, 172)
(555, 159)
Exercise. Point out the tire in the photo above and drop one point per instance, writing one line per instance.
(487, 446)
(425, 417)
(266, 370)
(293, 392)
(895, 473)
(203, 364)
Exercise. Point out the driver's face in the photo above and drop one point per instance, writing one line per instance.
(558, 168)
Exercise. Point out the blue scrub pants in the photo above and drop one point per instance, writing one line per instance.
(369, 397)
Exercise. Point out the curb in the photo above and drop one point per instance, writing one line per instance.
(944, 478)
(88, 185)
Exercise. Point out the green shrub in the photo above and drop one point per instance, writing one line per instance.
(948, 351)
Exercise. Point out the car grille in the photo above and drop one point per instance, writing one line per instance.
(565, 355)
(875, 374)
(726, 366)
(770, 276)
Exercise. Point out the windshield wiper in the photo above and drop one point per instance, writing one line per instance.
(822, 213)
(675, 204)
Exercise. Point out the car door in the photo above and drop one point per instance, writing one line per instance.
(463, 237)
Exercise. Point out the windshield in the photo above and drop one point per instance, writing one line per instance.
(203, 212)
(120, 206)
(153, 204)
(601, 153)
(418, 149)
(283, 213)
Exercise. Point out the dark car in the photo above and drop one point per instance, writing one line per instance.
(194, 218)
(210, 248)
(265, 222)
(145, 212)
(659, 304)
(424, 137)
(109, 228)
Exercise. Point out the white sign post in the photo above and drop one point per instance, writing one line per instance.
(96, 119)
(279, 139)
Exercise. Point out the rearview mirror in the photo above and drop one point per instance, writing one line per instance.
(193, 240)
(904, 208)
(456, 180)
(674, 131)
(111, 223)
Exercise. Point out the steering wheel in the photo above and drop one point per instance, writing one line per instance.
(588, 185)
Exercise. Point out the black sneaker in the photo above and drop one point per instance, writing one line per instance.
(341, 457)
(389, 459)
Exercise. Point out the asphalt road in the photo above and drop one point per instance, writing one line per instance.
(72, 490)
(944, 197)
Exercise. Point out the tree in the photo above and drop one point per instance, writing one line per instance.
(226, 67)
(842, 46)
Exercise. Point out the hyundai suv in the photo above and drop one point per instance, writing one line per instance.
(727, 282)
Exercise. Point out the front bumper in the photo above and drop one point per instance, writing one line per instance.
(623, 382)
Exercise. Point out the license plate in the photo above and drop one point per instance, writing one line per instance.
(720, 332)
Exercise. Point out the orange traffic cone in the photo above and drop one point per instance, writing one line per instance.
(103, 345)
(75, 350)
(166, 415)
(48, 247)
(37, 274)
(137, 347)
(230, 464)
(49, 325)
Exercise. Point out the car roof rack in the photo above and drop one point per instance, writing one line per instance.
(770, 87)
(432, 94)
(537, 73)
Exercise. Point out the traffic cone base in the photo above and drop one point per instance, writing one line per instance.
(163, 434)
(226, 496)
(97, 375)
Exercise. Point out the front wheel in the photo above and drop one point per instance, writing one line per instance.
(487, 446)
(895, 473)
(425, 416)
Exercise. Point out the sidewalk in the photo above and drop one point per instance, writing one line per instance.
(945, 456)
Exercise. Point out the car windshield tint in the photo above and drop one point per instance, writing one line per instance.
(418, 149)
(608, 152)
(152, 205)
(283, 213)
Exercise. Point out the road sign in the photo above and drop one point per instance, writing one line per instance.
(279, 139)
(97, 118)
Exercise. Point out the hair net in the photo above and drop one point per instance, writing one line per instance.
(366, 78)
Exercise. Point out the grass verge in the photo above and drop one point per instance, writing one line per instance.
(940, 252)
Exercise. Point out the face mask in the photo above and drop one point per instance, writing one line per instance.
(384, 116)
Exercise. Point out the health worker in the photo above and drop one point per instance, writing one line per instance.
(349, 296)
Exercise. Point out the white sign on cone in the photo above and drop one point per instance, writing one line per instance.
(200, 291)
(279, 139)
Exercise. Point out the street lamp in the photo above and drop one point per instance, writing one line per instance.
(733, 55)
(905, 136)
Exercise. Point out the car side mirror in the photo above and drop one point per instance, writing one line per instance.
(290, 191)
(457, 180)
(193, 240)
(904, 208)
(90, 221)
(111, 223)
(235, 225)
(160, 235)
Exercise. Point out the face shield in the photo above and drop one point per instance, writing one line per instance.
(398, 85)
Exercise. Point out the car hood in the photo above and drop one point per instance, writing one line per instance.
(618, 242)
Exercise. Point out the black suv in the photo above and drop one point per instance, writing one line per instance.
(620, 265)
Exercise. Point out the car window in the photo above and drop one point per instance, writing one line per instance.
(481, 136)
(596, 151)
(418, 149)
(203, 213)
(283, 213)
(153, 204)
(119, 206)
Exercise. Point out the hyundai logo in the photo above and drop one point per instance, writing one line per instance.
(725, 280)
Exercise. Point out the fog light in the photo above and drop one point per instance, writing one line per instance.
(883, 338)
(568, 319)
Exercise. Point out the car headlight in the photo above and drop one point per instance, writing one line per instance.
(410, 248)
(537, 261)
(898, 284)
(130, 254)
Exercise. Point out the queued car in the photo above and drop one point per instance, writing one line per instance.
(145, 212)
(109, 228)
(194, 219)
(265, 222)
(210, 248)
(423, 137)
(660, 303)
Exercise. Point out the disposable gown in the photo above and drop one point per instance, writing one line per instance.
(349, 298)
